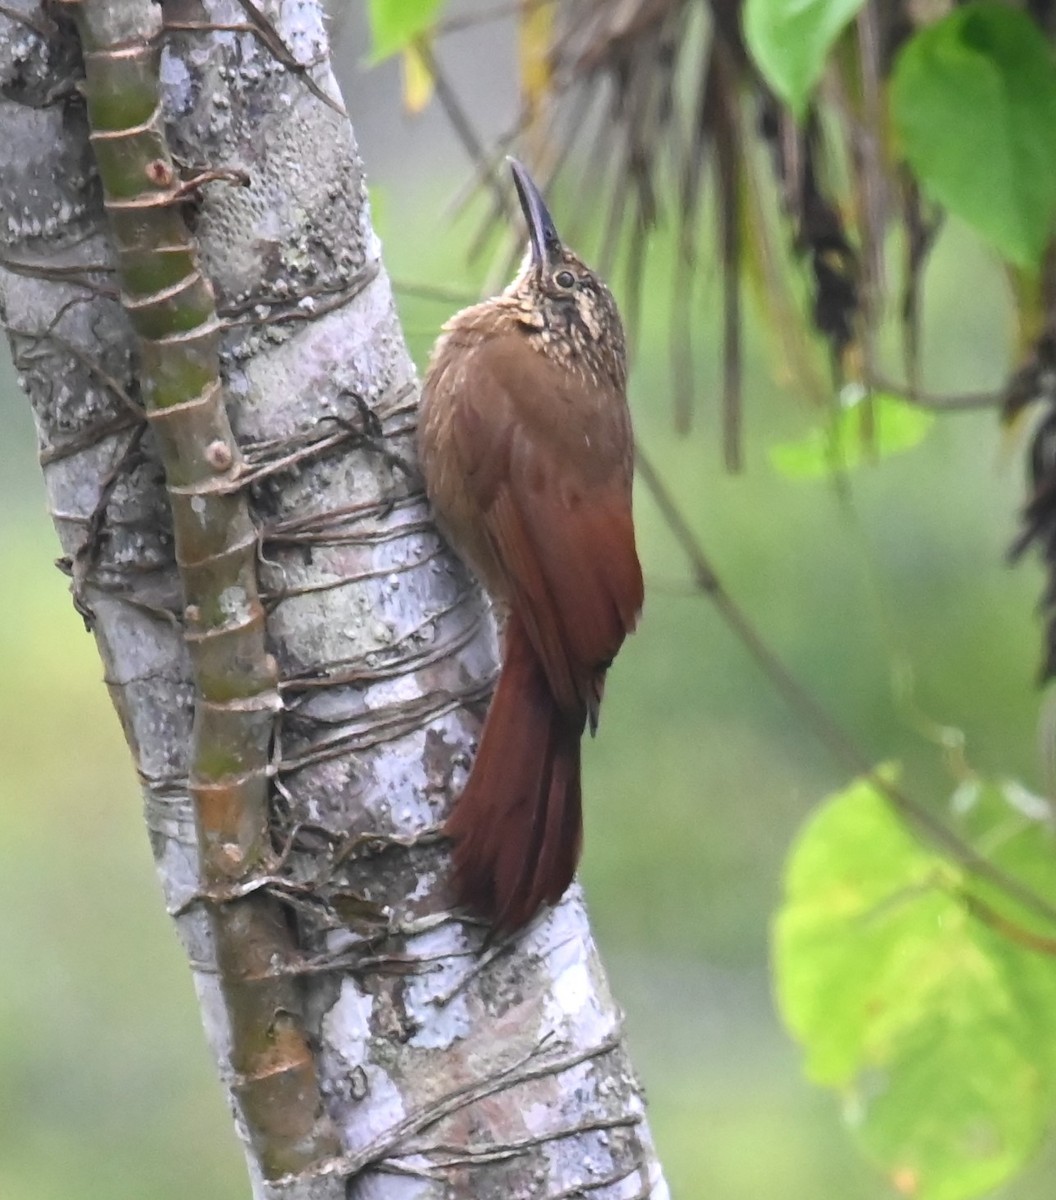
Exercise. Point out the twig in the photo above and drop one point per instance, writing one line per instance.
(265, 32)
(593, 1185)
(43, 28)
(941, 402)
(87, 553)
(496, 12)
(429, 291)
(1008, 929)
(461, 124)
(530, 1066)
(472, 1155)
(818, 720)
(56, 273)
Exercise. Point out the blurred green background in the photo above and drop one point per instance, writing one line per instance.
(695, 786)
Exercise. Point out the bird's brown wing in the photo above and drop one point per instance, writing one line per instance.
(547, 458)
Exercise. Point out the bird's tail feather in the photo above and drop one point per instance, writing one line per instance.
(517, 826)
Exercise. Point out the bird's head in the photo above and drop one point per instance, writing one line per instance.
(572, 312)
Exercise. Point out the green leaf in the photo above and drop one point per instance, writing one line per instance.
(938, 1032)
(860, 433)
(789, 39)
(394, 24)
(973, 101)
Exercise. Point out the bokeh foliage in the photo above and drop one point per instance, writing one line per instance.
(827, 145)
(888, 596)
(695, 785)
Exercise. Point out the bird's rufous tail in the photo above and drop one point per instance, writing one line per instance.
(517, 826)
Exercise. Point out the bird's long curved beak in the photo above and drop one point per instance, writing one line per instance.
(546, 244)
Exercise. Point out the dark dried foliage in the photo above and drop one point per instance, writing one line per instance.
(655, 101)
(1033, 386)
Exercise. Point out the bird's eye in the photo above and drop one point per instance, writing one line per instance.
(565, 279)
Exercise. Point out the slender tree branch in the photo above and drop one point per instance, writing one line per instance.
(1000, 924)
(824, 727)
(493, 12)
(941, 402)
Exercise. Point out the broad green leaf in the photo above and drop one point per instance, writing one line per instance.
(394, 24)
(789, 39)
(859, 433)
(938, 1032)
(973, 101)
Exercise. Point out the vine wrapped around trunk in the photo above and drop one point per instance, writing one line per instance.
(171, 309)
(296, 770)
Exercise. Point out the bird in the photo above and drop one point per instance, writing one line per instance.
(527, 454)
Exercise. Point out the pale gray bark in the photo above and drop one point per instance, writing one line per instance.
(445, 1071)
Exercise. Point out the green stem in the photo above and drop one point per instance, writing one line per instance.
(170, 305)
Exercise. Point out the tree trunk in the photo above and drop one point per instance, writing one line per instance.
(225, 411)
